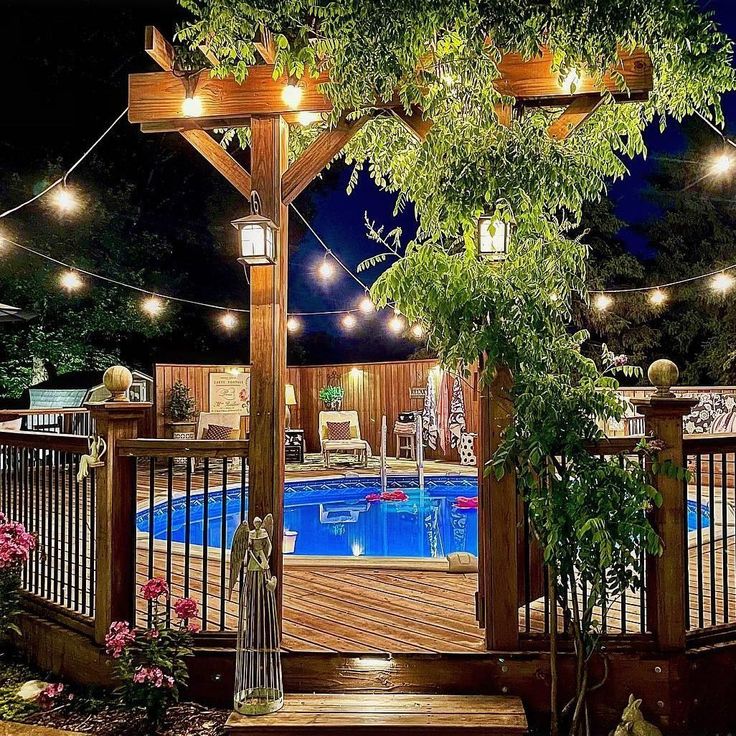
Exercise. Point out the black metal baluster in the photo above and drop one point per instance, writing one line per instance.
(35, 498)
(205, 540)
(151, 534)
(74, 515)
(223, 543)
(187, 525)
(724, 532)
(712, 537)
(85, 572)
(58, 524)
(169, 525)
(93, 537)
(69, 528)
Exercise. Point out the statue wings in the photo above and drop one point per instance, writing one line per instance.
(237, 552)
(268, 525)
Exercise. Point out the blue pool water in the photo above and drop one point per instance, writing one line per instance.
(333, 517)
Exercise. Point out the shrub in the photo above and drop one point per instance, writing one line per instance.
(181, 403)
(15, 547)
(150, 663)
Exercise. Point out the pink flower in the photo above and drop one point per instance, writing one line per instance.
(620, 360)
(152, 676)
(15, 543)
(186, 608)
(118, 638)
(193, 627)
(152, 634)
(48, 696)
(155, 588)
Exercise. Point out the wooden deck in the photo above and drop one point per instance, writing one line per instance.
(374, 715)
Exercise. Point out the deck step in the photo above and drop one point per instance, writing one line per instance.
(358, 714)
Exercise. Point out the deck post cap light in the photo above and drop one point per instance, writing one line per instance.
(663, 374)
(257, 235)
(493, 238)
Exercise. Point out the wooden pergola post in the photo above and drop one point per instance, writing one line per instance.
(268, 289)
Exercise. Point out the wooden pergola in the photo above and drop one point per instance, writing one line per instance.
(155, 103)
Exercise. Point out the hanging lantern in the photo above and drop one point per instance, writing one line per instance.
(493, 238)
(257, 235)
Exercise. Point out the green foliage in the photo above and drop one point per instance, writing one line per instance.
(181, 406)
(12, 676)
(10, 607)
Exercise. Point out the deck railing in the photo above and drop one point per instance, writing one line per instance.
(39, 487)
(190, 495)
(74, 421)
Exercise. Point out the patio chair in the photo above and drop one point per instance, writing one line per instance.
(354, 445)
(208, 419)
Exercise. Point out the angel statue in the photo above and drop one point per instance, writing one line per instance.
(259, 687)
(97, 448)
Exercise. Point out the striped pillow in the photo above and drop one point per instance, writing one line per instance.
(218, 432)
(338, 431)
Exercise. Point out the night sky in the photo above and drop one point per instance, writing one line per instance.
(65, 80)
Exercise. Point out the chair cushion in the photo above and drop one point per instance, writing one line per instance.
(338, 430)
(219, 432)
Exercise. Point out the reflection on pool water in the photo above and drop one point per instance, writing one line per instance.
(335, 519)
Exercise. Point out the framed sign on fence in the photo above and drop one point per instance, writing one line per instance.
(230, 392)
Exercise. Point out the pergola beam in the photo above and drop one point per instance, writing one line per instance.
(220, 159)
(317, 155)
(419, 126)
(575, 114)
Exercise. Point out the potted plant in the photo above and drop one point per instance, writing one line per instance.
(331, 397)
(180, 410)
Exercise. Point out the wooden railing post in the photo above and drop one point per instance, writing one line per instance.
(498, 523)
(115, 510)
(665, 579)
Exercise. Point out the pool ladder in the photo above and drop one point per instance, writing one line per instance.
(418, 454)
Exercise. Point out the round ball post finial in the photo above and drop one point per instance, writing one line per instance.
(118, 379)
(663, 374)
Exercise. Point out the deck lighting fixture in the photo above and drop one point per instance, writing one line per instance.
(292, 95)
(722, 164)
(229, 321)
(71, 281)
(722, 282)
(657, 298)
(257, 235)
(191, 107)
(293, 324)
(366, 305)
(396, 324)
(349, 321)
(493, 238)
(152, 306)
(64, 199)
(603, 302)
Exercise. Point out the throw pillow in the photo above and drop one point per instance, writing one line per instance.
(338, 431)
(218, 432)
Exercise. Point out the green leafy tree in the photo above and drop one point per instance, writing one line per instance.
(443, 56)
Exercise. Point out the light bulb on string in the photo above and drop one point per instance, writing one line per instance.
(366, 305)
(229, 321)
(326, 269)
(349, 321)
(292, 95)
(64, 199)
(722, 164)
(657, 298)
(417, 331)
(293, 324)
(722, 282)
(396, 324)
(603, 302)
(71, 281)
(153, 306)
(192, 107)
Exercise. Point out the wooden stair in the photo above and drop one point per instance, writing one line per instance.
(358, 714)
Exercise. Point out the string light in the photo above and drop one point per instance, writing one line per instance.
(417, 331)
(602, 302)
(366, 305)
(152, 306)
(722, 282)
(326, 270)
(71, 281)
(657, 298)
(722, 164)
(293, 324)
(229, 321)
(396, 324)
(64, 199)
(192, 107)
(292, 95)
(349, 321)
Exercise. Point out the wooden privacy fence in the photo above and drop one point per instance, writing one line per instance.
(371, 389)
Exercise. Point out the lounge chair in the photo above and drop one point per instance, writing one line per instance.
(355, 445)
(218, 419)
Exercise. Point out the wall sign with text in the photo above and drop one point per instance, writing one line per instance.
(230, 392)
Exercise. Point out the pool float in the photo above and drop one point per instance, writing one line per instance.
(396, 495)
(463, 502)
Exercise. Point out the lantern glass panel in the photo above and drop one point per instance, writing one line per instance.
(493, 238)
(257, 242)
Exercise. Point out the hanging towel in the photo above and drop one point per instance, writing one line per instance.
(456, 421)
(443, 412)
(429, 416)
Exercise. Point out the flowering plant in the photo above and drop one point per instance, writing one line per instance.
(54, 695)
(15, 547)
(150, 663)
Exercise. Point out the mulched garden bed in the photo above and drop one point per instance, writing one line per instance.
(97, 712)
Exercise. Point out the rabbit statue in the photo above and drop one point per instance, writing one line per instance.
(633, 720)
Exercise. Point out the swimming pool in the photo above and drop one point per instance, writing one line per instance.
(346, 517)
